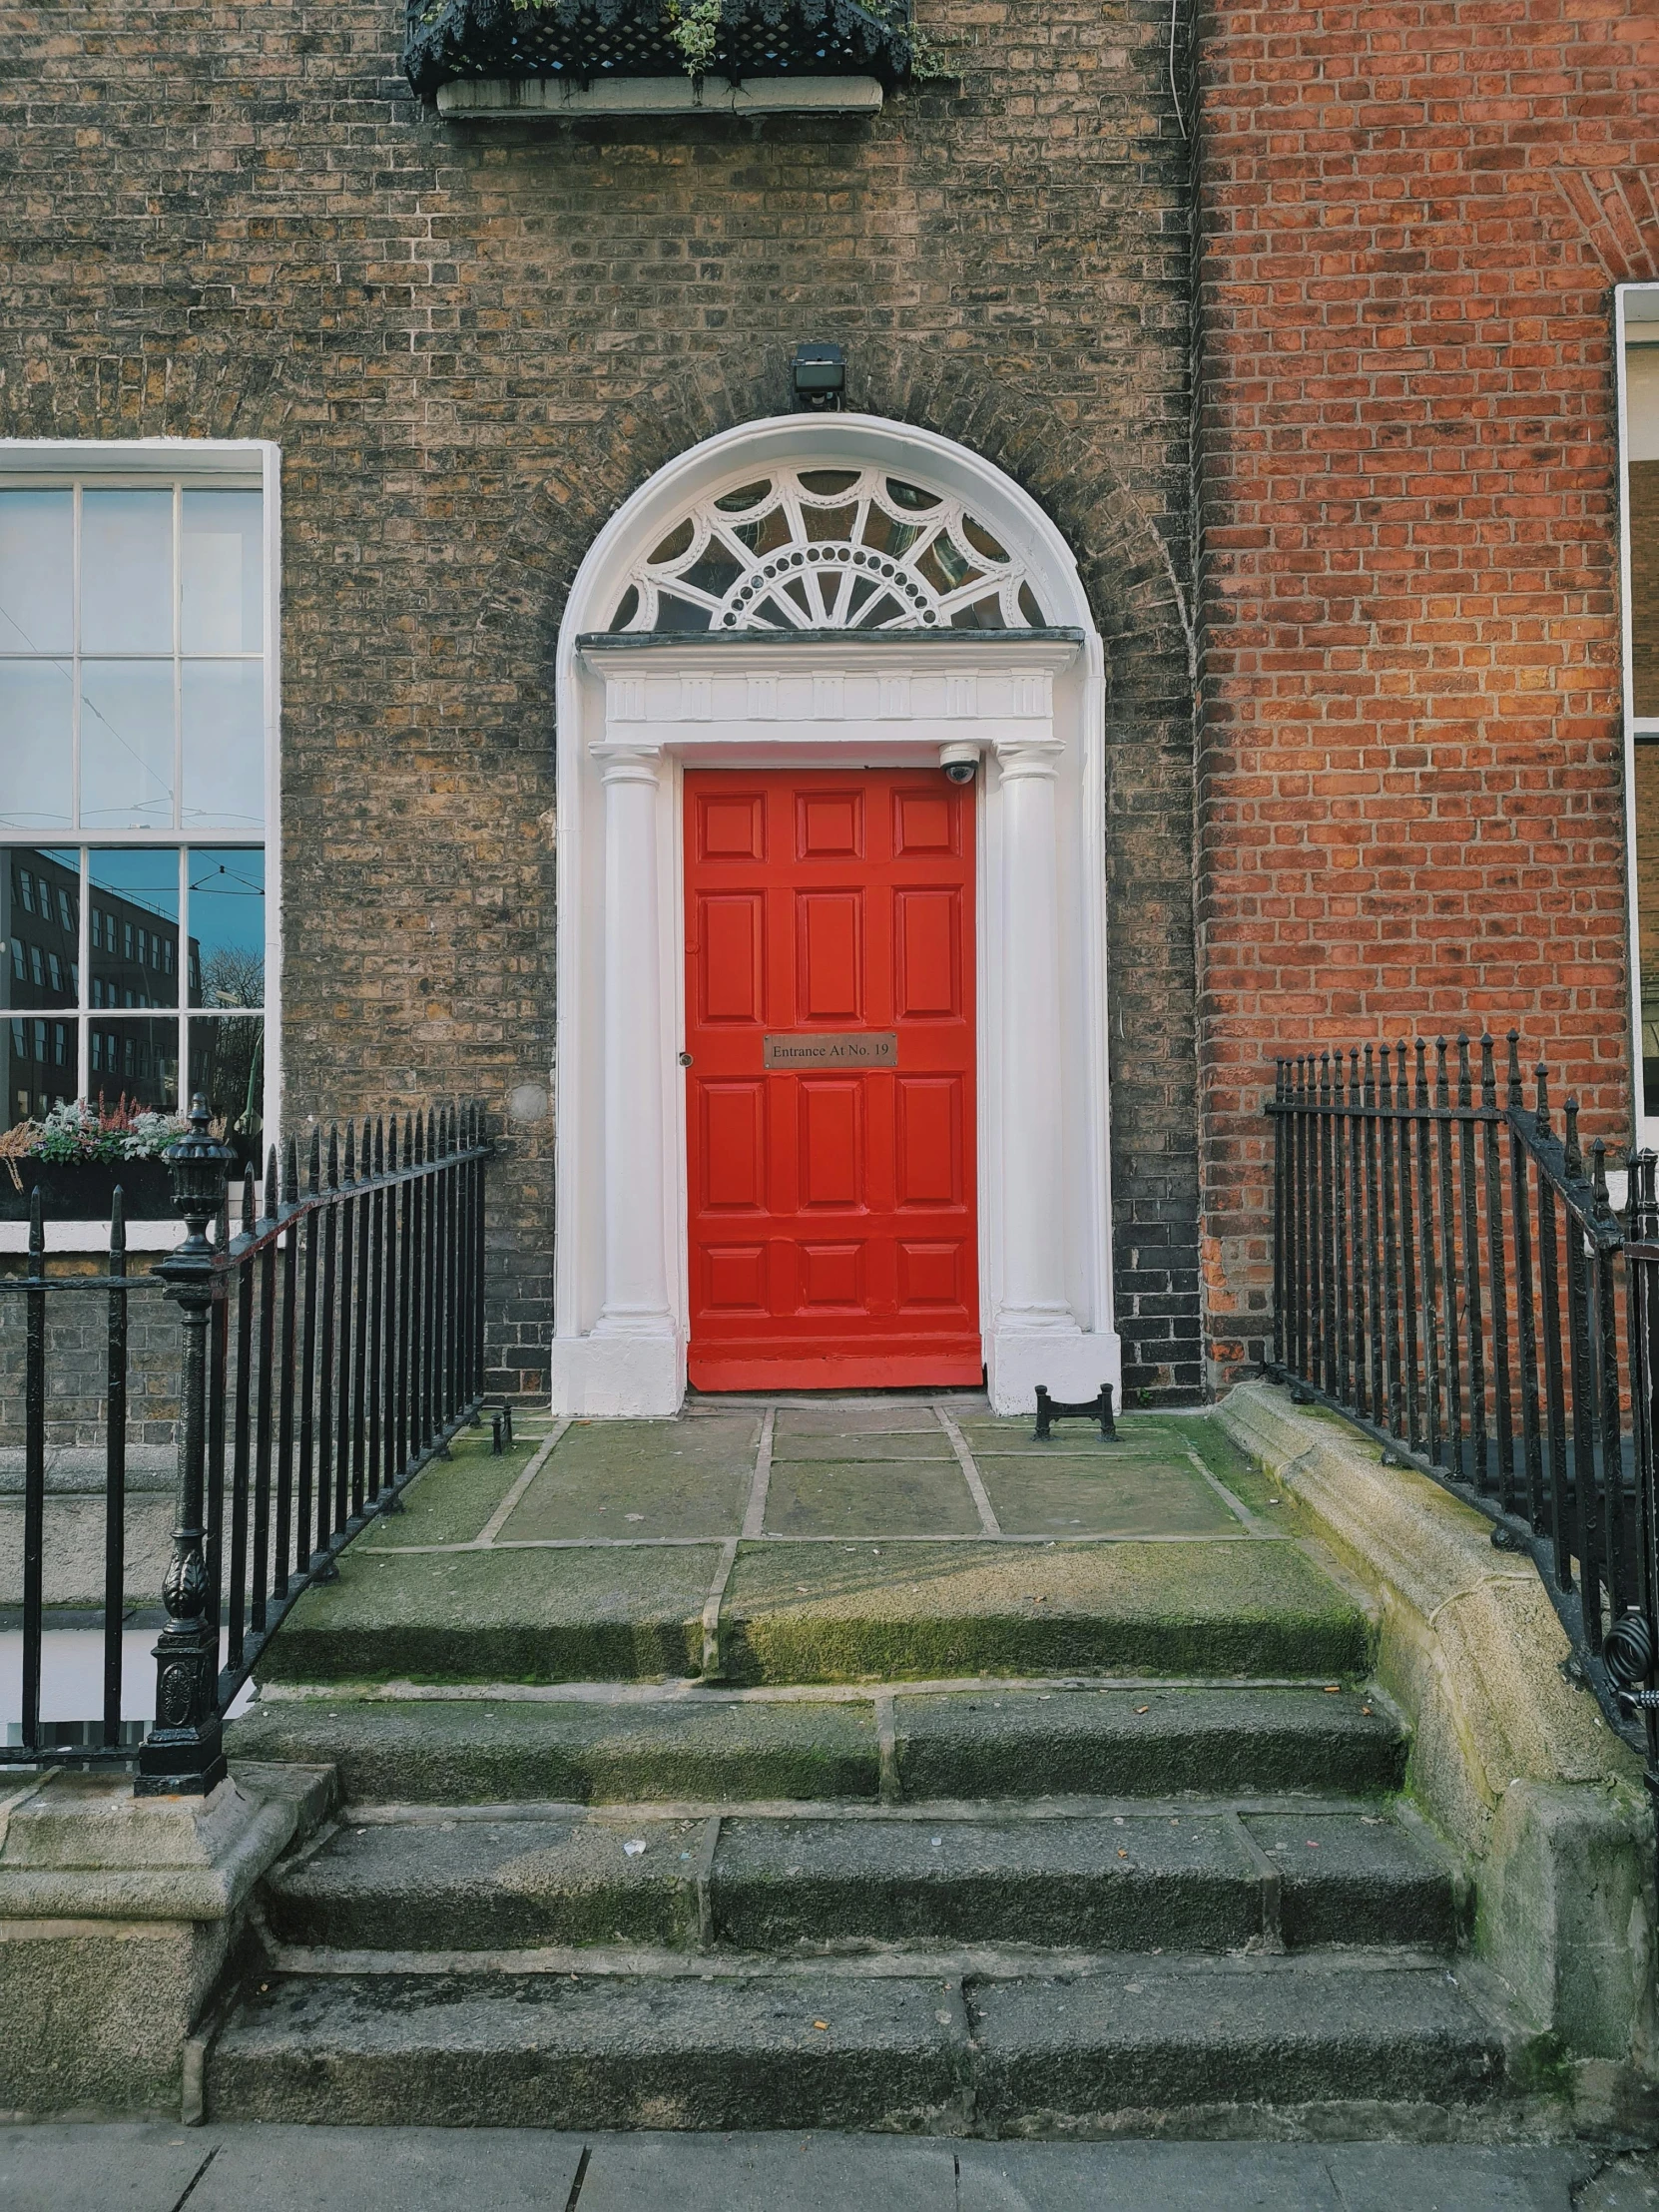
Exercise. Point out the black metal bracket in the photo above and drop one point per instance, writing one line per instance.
(501, 1425)
(1052, 1410)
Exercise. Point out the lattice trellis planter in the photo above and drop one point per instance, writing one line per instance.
(540, 56)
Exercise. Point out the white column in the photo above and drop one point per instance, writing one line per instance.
(635, 1263)
(1034, 1188)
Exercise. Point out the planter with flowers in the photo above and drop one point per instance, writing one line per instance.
(77, 1156)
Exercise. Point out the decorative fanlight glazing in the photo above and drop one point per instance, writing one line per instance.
(828, 549)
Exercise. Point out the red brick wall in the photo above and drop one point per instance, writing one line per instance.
(1411, 219)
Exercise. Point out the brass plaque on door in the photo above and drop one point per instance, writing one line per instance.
(824, 1048)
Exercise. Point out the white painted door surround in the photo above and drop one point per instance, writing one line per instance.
(636, 706)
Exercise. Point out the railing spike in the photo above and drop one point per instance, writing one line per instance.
(314, 1162)
(1543, 1075)
(351, 1150)
(1518, 1096)
(379, 1145)
(391, 1144)
(248, 1199)
(1422, 1073)
(1574, 1159)
(1489, 1076)
(271, 1184)
(291, 1172)
(419, 1137)
(1599, 1176)
(1443, 1094)
(1385, 1085)
(333, 1155)
(1403, 1088)
(1465, 1097)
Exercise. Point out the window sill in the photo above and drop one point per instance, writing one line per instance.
(507, 100)
(94, 1235)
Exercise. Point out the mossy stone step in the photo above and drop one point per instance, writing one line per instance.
(760, 1882)
(797, 1612)
(710, 1747)
(1138, 2043)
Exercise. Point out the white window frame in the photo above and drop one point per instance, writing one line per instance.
(247, 464)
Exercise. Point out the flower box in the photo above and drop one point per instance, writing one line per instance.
(71, 1189)
(588, 44)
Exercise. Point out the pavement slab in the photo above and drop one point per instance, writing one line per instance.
(414, 2168)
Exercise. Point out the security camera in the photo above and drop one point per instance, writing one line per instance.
(961, 761)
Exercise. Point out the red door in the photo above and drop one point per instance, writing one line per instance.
(829, 1093)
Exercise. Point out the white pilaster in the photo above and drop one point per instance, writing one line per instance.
(630, 1363)
(1035, 1336)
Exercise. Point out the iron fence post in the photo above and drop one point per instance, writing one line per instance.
(184, 1752)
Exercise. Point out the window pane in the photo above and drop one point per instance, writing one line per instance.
(225, 954)
(223, 725)
(37, 1068)
(126, 572)
(134, 928)
(227, 1065)
(38, 947)
(35, 745)
(1641, 370)
(1647, 903)
(137, 1061)
(127, 744)
(220, 572)
(37, 571)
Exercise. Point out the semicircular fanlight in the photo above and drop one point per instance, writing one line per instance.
(828, 549)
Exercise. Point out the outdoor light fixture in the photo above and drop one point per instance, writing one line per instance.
(818, 374)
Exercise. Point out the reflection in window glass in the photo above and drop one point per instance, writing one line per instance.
(223, 704)
(227, 927)
(134, 898)
(220, 572)
(37, 571)
(126, 571)
(127, 744)
(137, 1061)
(40, 946)
(227, 1065)
(1641, 394)
(37, 752)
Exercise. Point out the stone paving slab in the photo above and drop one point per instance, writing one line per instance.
(1061, 1495)
(865, 1445)
(925, 1497)
(123, 2167)
(642, 1479)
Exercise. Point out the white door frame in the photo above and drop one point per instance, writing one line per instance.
(633, 712)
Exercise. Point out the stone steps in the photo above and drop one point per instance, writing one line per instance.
(1137, 2044)
(1183, 1875)
(989, 1740)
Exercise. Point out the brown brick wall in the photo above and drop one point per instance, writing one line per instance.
(471, 345)
(1410, 811)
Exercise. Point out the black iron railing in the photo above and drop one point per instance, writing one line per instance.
(331, 1344)
(1446, 1273)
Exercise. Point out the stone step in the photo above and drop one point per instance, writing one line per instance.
(787, 1612)
(978, 1740)
(1360, 2042)
(1183, 1877)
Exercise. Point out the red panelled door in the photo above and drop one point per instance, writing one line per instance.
(832, 1229)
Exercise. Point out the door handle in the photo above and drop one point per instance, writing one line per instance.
(684, 1059)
